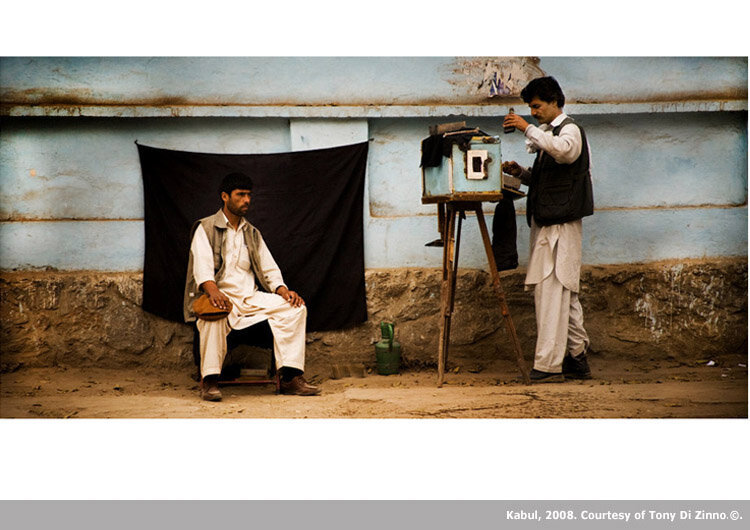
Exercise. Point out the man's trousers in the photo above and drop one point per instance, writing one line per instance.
(559, 321)
(288, 326)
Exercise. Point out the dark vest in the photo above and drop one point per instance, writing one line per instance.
(559, 193)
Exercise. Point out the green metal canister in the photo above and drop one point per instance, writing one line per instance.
(387, 351)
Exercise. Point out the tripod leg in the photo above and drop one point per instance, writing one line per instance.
(441, 220)
(452, 292)
(501, 295)
(446, 297)
(455, 259)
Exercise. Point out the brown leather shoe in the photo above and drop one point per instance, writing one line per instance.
(299, 387)
(210, 388)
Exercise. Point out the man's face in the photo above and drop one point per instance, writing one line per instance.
(544, 111)
(238, 202)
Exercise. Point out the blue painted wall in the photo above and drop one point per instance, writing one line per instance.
(359, 80)
(668, 139)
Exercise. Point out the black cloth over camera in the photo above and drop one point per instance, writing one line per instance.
(437, 146)
(504, 234)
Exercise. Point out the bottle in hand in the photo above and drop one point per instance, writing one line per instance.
(507, 130)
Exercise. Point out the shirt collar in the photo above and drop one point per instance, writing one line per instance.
(557, 121)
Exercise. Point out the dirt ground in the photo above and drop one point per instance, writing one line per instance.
(619, 389)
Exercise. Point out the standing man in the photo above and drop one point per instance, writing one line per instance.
(560, 195)
(229, 261)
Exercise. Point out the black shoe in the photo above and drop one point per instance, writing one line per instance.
(537, 376)
(576, 367)
(507, 265)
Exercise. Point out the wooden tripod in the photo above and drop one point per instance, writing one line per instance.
(449, 213)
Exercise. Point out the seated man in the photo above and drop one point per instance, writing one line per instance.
(229, 261)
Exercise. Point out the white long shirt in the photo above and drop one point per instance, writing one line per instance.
(564, 148)
(555, 248)
(237, 280)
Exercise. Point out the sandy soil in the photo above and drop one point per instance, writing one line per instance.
(647, 389)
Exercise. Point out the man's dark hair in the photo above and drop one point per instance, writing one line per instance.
(235, 181)
(545, 88)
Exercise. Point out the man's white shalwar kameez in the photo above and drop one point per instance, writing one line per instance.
(555, 262)
(250, 305)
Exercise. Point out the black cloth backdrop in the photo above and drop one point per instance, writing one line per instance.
(306, 204)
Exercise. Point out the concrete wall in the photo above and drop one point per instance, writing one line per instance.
(684, 311)
(668, 138)
(669, 148)
(156, 85)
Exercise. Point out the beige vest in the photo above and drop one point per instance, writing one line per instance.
(215, 227)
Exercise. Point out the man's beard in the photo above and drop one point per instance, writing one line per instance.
(236, 210)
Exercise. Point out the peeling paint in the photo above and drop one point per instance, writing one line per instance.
(497, 76)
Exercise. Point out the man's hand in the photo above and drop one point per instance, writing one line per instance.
(218, 299)
(512, 168)
(514, 120)
(290, 296)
